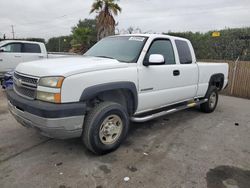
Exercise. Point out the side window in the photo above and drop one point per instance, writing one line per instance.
(12, 48)
(184, 52)
(163, 47)
(31, 48)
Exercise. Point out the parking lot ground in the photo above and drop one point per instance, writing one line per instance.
(186, 149)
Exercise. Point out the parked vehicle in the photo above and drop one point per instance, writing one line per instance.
(120, 79)
(13, 52)
(7, 81)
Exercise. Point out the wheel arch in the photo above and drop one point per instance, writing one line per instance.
(217, 80)
(122, 92)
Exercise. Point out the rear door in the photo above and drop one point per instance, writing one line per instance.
(31, 52)
(189, 70)
(10, 56)
(162, 85)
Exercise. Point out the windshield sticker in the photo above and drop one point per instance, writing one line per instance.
(141, 39)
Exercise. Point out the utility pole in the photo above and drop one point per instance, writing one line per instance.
(59, 47)
(13, 32)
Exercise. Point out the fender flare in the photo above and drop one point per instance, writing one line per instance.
(216, 78)
(93, 91)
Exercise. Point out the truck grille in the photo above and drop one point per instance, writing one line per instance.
(25, 86)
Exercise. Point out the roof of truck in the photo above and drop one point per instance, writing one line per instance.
(153, 36)
(22, 41)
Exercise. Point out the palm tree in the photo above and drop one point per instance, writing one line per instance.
(106, 10)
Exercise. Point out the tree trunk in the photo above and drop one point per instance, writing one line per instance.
(105, 25)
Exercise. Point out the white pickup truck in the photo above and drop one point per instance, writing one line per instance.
(13, 52)
(120, 79)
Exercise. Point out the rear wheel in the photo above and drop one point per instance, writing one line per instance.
(212, 96)
(105, 127)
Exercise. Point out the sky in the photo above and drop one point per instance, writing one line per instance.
(51, 18)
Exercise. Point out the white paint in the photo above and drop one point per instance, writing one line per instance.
(156, 85)
(10, 60)
(156, 58)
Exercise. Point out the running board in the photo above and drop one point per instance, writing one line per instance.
(170, 111)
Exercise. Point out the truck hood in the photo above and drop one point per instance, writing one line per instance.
(68, 66)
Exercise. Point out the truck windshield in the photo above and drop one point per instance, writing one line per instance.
(122, 48)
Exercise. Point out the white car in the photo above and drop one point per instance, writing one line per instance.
(13, 52)
(120, 79)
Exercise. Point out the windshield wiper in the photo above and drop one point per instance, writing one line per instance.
(105, 57)
(102, 56)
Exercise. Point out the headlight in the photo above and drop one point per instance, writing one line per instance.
(55, 82)
(50, 90)
(48, 97)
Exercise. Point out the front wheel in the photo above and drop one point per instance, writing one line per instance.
(105, 127)
(212, 96)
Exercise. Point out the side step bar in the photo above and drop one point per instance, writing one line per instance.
(170, 111)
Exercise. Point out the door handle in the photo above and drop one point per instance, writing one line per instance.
(176, 72)
(41, 56)
(17, 56)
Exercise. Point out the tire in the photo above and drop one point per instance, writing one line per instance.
(212, 96)
(105, 128)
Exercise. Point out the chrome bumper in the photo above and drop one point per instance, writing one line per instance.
(61, 128)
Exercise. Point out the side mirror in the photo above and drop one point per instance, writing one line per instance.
(1, 50)
(155, 59)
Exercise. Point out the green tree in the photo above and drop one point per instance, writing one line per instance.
(59, 44)
(36, 40)
(231, 44)
(84, 35)
(106, 10)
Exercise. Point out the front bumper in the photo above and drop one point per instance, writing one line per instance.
(61, 125)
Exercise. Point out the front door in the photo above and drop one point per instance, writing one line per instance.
(161, 85)
(10, 56)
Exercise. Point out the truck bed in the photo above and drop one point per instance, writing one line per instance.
(206, 69)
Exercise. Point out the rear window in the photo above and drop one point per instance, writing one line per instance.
(31, 48)
(184, 52)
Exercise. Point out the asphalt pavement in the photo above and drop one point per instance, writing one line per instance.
(182, 150)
